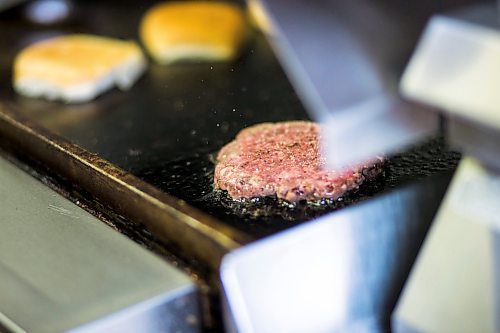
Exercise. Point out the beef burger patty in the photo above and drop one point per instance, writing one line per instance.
(284, 159)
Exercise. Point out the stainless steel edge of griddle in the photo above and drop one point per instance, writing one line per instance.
(340, 273)
(62, 270)
(454, 284)
(345, 59)
(195, 232)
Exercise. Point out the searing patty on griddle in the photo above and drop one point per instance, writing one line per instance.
(284, 159)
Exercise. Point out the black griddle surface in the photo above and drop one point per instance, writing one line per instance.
(191, 179)
(165, 129)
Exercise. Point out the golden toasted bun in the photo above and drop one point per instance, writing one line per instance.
(194, 30)
(77, 68)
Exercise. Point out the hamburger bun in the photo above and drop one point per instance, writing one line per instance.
(194, 30)
(77, 68)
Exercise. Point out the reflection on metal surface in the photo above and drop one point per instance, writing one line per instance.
(259, 18)
(342, 272)
(480, 189)
(475, 139)
(345, 59)
(62, 270)
(454, 68)
(452, 285)
(456, 63)
(382, 125)
(315, 297)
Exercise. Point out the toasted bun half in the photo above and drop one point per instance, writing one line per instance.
(77, 68)
(194, 30)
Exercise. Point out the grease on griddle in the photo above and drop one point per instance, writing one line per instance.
(191, 178)
(272, 207)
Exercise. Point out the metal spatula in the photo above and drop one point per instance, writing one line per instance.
(344, 59)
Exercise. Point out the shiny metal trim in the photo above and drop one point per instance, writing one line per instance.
(170, 219)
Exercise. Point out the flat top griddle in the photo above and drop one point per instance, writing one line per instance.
(167, 127)
(144, 153)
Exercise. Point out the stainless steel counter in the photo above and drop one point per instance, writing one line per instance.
(61, 269)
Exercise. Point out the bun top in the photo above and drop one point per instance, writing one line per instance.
(71, 59)
(193, 25)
